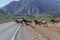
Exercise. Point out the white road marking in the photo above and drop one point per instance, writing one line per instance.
(13, 38)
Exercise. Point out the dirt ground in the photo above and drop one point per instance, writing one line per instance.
(52, 32)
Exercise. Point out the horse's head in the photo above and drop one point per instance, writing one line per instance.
(35, 20)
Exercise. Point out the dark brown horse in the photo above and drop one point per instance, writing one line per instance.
(18, 22)
(37, 22)
(41, 23)
(27, 22)
(54, 21)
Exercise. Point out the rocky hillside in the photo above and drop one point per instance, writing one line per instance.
(2, 12)
(33, 7)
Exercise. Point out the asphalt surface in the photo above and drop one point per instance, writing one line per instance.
(11, 31)
(7, 30)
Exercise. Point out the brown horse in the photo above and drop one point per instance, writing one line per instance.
(54, 21)
(37, 22)
(18, 22)
(27, 22)
(41, 23)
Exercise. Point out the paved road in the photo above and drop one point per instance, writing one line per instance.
(7, 30)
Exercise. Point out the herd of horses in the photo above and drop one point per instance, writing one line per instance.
(28, 22)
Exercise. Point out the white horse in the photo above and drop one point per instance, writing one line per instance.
(45, 23)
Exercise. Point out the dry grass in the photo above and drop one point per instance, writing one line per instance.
(42, 30)
(52, 27)
(33, 25)
(55, 28)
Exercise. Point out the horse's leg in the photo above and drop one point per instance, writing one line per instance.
(46, 25)
(18, 24)
(53, 22)
(40, 24)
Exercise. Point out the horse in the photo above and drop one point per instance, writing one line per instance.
(45, 23)
(41, 23)
(54, 21)
(27, 22)
(37, 22)
(18, 22)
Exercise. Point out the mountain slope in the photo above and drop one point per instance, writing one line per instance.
(33, 7)
(2, 12)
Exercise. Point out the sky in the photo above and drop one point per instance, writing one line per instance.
(5, 2)
(58, 0)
